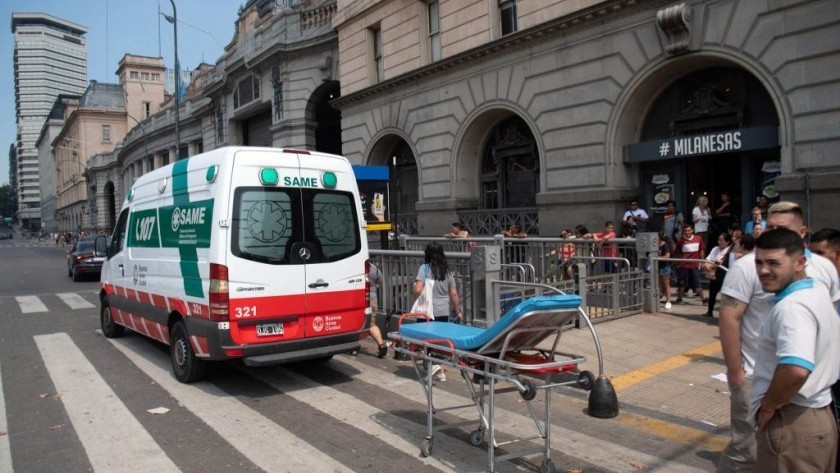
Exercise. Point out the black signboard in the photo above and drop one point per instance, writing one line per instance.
(744, 139)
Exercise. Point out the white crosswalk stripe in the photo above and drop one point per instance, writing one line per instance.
(74, 300)
(101, 420)
(5, 448)
(30, 304)
(35, 304)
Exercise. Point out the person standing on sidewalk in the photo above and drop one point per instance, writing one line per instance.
(826, 242)
(690, 246)
(744, 304)
(718, 264)
(664, 270)
(375, 280)
(444, 292)
(636, 215)
(797, 361)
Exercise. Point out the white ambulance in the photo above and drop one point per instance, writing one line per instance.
(252, 253)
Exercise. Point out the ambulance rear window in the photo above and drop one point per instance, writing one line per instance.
(271, 225)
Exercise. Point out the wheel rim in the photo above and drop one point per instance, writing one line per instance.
(106, 317)
(180, 353)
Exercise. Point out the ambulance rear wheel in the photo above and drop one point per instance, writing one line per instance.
(110, 328)
(187, 367)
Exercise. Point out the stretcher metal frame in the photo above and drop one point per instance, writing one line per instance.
(513, 358)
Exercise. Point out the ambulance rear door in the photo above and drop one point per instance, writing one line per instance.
(333, 247)
(266, 286)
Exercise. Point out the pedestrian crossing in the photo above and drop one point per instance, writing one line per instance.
(346, 399)
(43, 303)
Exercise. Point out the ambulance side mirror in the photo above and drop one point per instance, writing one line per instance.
(100, 246)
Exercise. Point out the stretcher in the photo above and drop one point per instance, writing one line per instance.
(520, 350)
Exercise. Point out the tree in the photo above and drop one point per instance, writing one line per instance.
(6, 195)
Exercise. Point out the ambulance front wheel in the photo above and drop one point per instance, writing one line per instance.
(186, 366)
(109, 328)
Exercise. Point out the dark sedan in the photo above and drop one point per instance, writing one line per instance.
(84, 260)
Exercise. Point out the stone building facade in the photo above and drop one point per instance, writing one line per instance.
(556, 113)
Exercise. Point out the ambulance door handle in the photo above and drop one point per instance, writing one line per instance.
(122, 270)
(319, 283)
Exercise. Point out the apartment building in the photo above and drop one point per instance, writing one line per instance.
(50, 58)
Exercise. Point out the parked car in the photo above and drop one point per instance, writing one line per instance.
(84, 259)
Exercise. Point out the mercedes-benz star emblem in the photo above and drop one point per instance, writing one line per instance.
(305, 254)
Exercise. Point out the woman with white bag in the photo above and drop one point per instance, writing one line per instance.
(434, 289)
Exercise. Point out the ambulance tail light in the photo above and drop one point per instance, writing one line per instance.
(219, 296)
(367, 285)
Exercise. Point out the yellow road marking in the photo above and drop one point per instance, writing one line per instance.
(637, 376)
(674, 432)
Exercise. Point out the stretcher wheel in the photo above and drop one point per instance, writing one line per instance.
(530, 391)
(547, 466)
(477, 437)
(586, 380)
(426, 448)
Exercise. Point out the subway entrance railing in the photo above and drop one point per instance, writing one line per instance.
(495, 273)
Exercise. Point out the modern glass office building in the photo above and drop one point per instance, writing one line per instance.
(50, 58)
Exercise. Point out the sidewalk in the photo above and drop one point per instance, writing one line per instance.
(661, 366)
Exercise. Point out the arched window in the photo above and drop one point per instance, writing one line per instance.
(510, 167)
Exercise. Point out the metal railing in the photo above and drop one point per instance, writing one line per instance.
(609, 286)
(545, 255)
(399, 269)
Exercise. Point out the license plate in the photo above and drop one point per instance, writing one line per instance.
(270, 329)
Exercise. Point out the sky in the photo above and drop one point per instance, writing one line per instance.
(117, 27)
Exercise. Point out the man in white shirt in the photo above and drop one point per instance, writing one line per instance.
(636, 216)
(744, 304)
(797, 361)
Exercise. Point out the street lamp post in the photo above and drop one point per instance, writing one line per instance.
(142, 129)
(174, 21)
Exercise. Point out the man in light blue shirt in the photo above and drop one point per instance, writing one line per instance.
(797, 361)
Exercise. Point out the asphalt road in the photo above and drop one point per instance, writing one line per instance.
(74, 401)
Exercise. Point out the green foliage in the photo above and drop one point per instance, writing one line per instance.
(6, 209)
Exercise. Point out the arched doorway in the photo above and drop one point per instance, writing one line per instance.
(325, 118)
(497, 170)
(393, 151)
(404, 187)
(510, 167)
(717, 132)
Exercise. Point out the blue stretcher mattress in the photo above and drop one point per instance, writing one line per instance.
(469, 338)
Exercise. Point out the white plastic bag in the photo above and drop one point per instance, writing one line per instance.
(423, 304)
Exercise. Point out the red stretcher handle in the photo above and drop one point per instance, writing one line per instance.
(416, 315)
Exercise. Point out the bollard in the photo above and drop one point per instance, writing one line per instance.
(603, 402)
